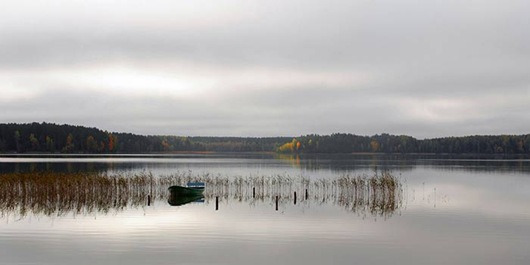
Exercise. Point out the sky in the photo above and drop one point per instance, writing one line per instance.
(425, 68)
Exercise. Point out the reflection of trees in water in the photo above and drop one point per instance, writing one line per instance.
(72, 167)
(58, 194)
(406, 162)
(344, 162)
(335, 163)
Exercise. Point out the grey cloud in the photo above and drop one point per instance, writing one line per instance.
(305, 33)
(269, 113)
(412, 51)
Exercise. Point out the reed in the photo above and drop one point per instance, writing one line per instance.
(58, 194)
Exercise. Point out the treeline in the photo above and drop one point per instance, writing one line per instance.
(385, 143)
(53, 138)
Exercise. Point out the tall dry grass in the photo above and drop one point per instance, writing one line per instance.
(57, 194)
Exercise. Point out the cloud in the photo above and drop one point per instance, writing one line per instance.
(258, 68)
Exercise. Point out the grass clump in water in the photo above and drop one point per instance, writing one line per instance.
(50, 193)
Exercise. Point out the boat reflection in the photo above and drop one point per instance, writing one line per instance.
(176, 199)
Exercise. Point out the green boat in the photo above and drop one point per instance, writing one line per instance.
(191, 189)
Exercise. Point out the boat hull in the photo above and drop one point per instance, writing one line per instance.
(185, 191)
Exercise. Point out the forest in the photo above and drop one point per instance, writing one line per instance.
(386, 143)
(53, 138)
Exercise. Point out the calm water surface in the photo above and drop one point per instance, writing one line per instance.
(455, 210)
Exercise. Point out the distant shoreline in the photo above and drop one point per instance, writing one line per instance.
(48, 138)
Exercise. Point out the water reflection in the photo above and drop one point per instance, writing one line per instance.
(59, 194)
(456, 213)
(336, 163)
(176, 199)
(378, 195)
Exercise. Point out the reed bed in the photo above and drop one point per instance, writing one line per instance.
(58, 194)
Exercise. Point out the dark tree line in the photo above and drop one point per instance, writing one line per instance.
(385, 143)
(53, 138)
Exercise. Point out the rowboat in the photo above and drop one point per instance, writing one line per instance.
(192, 188)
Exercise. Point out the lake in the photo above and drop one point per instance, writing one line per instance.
(450, 210)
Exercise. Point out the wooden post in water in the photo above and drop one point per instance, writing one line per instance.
(306, 194)
(216, 203)
(148, 200)
(295, 198)
(276, 203)
(254, 192)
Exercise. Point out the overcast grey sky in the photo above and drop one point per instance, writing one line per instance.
(425, 68)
